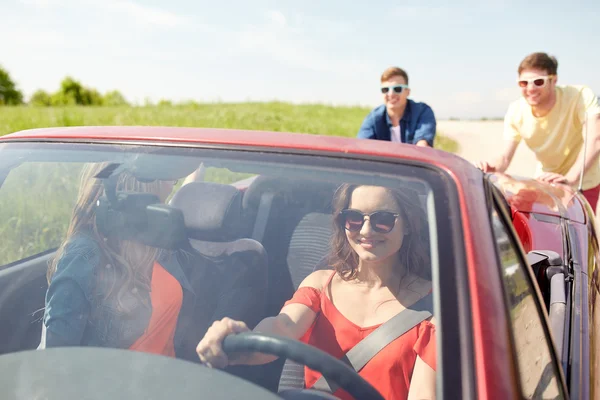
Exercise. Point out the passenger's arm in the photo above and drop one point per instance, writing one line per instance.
(67, 300)
(196, 176)
(292, 322)
(67, 312)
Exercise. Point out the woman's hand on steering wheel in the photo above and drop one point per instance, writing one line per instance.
(210, 350)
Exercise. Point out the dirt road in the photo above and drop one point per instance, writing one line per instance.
(482, 140)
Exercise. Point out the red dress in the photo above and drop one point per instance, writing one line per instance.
(166, 297)
(389, 371)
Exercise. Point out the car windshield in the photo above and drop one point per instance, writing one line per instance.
(144, 247)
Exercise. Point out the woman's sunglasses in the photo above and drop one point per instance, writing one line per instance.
(539, 81)
(381, 221)
(396, 88)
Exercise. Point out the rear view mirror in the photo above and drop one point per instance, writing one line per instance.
(142, 218)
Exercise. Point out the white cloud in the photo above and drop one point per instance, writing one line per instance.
(144, 14)
(297, 53)
(39, 39)
(412, 12)
(277, 17)
(141, 13)
(285, 40)
(41, 3)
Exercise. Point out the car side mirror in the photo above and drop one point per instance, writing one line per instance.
(545, 258)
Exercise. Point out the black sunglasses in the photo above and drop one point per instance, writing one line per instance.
(381, 221)
(396, 88)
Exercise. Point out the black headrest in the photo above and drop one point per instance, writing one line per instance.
(212, 211)
(314, 194)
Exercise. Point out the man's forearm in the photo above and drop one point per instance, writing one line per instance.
(501, 163)
(591, 150)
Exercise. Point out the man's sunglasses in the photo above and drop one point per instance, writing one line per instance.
(396, 88)
(381, 221)
(538, 81)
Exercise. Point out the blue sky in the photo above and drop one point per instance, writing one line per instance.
(461, 58)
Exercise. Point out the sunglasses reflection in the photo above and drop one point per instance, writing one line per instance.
(381, 221)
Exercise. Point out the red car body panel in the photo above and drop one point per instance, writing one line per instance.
(487, 300)
(496, 377)
(527, 195)
(248, 138)
(536, 209)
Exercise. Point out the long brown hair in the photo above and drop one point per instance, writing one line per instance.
(132, 261)
(414, 253)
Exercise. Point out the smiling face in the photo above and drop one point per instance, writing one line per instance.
(537, 87)
(372, 246)
(392, 99)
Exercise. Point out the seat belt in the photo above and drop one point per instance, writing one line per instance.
(358, 356)
(262, 216)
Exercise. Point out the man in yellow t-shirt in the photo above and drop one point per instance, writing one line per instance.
(550, 119)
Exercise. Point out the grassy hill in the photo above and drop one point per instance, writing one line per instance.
(280, 117)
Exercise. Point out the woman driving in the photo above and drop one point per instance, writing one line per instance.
(381, 266)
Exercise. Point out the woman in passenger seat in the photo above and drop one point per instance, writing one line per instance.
(380, 257)
(113, 293)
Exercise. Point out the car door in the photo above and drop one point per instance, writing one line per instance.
(583, 352)
(535, 361)
(36, 200)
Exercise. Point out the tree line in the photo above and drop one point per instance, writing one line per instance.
(71, 92)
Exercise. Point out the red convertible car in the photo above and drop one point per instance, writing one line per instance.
(249, 215)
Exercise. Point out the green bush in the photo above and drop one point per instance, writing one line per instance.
(9, 94)
(41, 98)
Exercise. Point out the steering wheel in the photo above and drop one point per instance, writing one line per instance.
(331, 368)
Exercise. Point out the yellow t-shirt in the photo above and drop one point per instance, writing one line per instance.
(557, 138)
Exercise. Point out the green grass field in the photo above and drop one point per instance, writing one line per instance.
(30, 223)
(279, 117)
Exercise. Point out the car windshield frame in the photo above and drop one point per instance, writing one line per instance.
(454, 338)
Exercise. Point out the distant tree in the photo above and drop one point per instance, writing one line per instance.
(91, 97)
(70, 92)
(165, 103)
(115, 98)
(9, 94)
(41, 98)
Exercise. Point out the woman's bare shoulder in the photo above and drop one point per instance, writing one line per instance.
(317, 279)
(419, 285)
